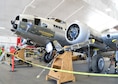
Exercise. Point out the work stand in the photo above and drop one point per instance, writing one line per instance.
(114, 62)
(20, 58)
(62, 62)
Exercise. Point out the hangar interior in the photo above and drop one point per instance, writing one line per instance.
(99, 15)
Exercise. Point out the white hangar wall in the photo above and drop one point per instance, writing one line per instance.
(8, 41)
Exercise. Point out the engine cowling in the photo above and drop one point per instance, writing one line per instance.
(77, 32)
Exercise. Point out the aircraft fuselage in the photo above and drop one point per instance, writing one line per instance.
(41, 30)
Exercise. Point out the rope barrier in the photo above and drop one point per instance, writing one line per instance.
(66, 71)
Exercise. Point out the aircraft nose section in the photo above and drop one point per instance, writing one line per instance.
(13, 24)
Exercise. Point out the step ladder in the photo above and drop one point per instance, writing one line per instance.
(62, 62)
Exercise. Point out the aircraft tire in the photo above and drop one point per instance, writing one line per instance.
(97, 64)
(47, 58)
(89, 64)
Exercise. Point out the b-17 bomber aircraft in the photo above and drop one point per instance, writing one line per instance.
(44, 31)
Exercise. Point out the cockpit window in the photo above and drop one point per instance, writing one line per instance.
(17, 18)
(57, 20)
(37, 21)
(24, 20)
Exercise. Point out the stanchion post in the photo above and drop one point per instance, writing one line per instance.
(12, 63)
(12, 50)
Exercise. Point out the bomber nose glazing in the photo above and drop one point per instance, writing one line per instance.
(13, 24)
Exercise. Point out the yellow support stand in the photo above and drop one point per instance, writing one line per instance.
(62, 62)
(20, 53)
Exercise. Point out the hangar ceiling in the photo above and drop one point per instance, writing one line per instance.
(8, 10)
(98, 14)
(109, 7)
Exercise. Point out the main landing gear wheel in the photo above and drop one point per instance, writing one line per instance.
(48, 57)
(97, 64)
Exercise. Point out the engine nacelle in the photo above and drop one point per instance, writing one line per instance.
(77, 32)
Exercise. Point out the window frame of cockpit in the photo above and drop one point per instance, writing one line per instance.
(17, 17)
(37, 21)
(25, 22)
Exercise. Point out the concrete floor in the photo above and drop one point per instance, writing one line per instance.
(27, 75)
